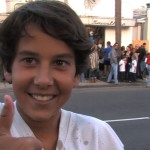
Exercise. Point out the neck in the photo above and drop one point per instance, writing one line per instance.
(47, 133)
(45, 127)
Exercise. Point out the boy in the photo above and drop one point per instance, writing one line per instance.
(133, 68)
(122, 64)
(44, 48)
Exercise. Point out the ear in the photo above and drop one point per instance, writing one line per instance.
(7, 76)
(76, 80)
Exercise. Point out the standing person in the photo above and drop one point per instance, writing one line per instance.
(101, 67)
(94, 64)
(141, 61)
(148, 69)
(122, 67)
(114, 56)
(133, 69)
(107, 59)
(122, 51)
(43, 60)
(128, 55)
(136, 47)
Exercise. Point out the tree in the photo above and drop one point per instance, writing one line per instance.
(89, 4)
(118, 21)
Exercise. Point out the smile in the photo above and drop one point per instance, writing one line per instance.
(42, 97)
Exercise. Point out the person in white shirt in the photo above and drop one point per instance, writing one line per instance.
(44, 48)
(122, 69)
(133, 69)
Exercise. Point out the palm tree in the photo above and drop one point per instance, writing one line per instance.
(118, 21)
(89, 4)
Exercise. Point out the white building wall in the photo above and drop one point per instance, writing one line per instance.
(145, 31)
(135, 33)
(126, 36)
(109, 35)
(2, 6)
(127, 9)
(103, 8)
(7, 6)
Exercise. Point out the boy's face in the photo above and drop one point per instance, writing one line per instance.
(43, 75)
(124, 59)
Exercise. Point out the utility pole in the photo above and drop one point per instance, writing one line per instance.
(118, 21)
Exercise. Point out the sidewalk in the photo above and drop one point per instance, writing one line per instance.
(5, 85)
(101, 83)
(87, 84)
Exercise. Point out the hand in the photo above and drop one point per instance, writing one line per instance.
(7, 142)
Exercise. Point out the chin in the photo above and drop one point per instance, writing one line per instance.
(40, 116)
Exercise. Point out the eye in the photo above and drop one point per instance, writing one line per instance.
(61, 62)
(29, 60)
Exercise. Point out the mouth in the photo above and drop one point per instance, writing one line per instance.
(42, 97)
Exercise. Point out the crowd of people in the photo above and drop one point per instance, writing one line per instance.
(116, 63)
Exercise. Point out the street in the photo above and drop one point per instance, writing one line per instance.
(126, 109)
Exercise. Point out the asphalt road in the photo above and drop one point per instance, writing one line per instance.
(126, 109)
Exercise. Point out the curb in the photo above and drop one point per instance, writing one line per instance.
(99, 84)
(112, 85)
(102, 84)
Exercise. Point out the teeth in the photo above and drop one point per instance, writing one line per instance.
(42, 98)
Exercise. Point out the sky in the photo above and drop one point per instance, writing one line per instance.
(138, 3)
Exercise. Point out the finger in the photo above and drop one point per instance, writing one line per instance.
(6, 117)
(20, 143)
(37, 144)
(30, 143)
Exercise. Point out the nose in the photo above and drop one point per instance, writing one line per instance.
(43, 77)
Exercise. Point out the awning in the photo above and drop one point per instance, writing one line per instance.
(99, 21)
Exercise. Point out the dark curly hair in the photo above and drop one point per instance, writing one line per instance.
(56, 19)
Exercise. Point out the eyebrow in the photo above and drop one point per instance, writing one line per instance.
(26, 52)
(63, 55)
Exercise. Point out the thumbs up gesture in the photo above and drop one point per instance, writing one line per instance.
(7, 142)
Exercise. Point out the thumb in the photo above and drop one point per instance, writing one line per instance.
(6, 117)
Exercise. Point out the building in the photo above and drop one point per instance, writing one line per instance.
(141, 31)
(99, 18)
(7, 6)
(148, 26)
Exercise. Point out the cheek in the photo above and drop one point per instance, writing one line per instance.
(68, 80)
(20, 73)
(21, 79)
(66, 84)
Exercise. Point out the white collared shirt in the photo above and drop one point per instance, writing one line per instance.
(76, 132)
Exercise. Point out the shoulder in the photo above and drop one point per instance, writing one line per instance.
(83, 121)
(108, 49)
(94, 130)
(113, 50)
(88, 120)
(88, 123)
